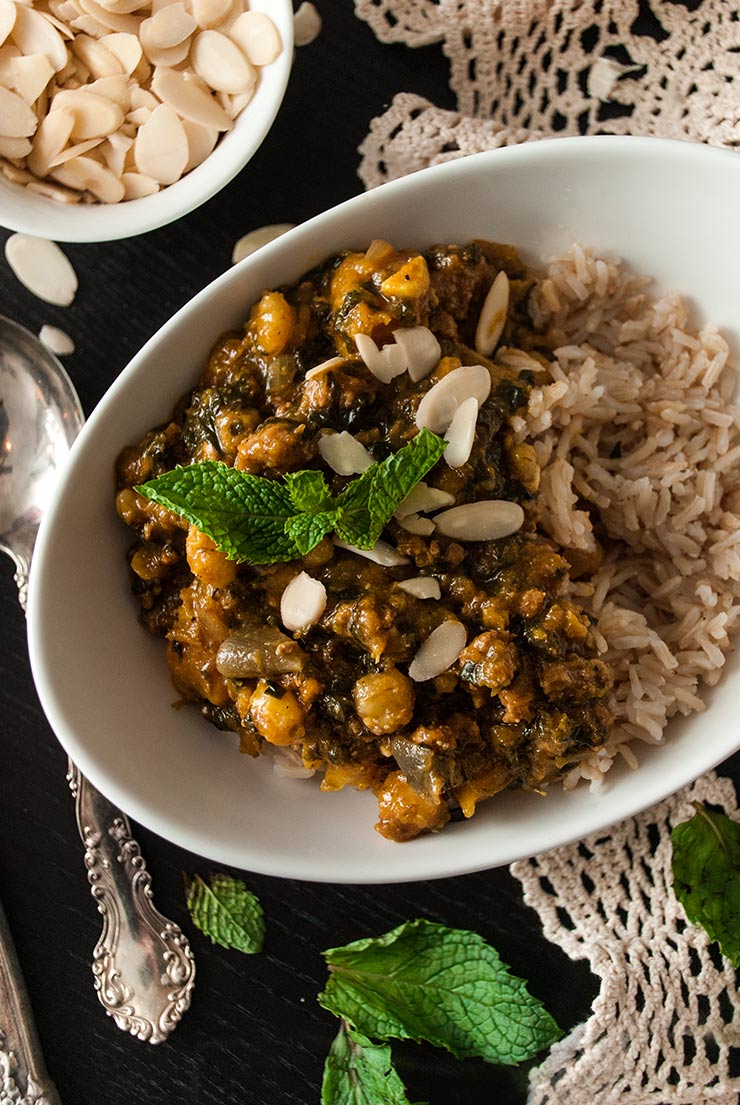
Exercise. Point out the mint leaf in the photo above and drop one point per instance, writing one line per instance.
(227, 912)
(244, 514)
(306, 530)
(359, 1072)
(308, 490)
(706, 876)
(423, 981)
(369, 502)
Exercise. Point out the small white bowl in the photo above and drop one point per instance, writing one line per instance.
(22, 210)
(671, 210)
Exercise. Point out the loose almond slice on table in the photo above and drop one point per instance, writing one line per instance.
(221, 64)
(94, 116)
(189, 100)
(209, 13)
(56, 340)
(17, 119)
(306, 24)
(136, 186)
(35, 35)
(161, 148)
(89, 175)
(7, 19)
(41, 267)
(51, 137)
(126, 47)
(171, 25)
(257, 37)
(28, 76)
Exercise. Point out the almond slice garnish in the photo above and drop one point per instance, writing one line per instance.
(94, 116)
(17, 119)
(422, 350)
(136, 186)
(51, 137)
(161, 148)
(416, 524)
(126, 47)
(423, 498)
(421, 587)
(189, 100)
(257, 37)
(29, 76)
(254, 240)
(171, 25)
(201, 141)
(461, 433)
(302, 603)
(386, 363)
(209, 13)
(439, 651)
(35, 35)
(381, 553)
(485, 520)
(56, 340)
(492, 316)
(88, 175)
(41, 267)
(437, 408)
(344, 454)
(221, 64)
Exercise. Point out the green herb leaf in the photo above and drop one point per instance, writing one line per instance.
(244, 514)
(360, 1072)
(227, 912)
(423, 981)
(369, 502)
(309, 491)
(306, 530)
(706, 876)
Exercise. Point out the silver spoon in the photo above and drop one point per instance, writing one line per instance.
(142, 964)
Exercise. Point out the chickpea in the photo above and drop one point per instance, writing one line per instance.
(277, 717)
(207, 562)
(384, 701)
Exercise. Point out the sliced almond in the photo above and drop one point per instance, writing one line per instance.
(257, 36)
(461, 433)
(41, 267)
(56, 340)
(318, 370)
(437, 408)
(139, 116)
(422, 499)
(485, 520)
(90, 176)
(51, 137)
(29, 76)
(302, 603)
(94, 116)
(439, 651)
(421, 587)
(17, 119)
(141, 97)
(254, 240)
(344, 454)
(122, 7)
(101, 61)
(136, 186)
(237, 103)
(188, 100)
(15, 147)
(15, 174)
(57, 192)
(126, 47)
(127, 24)
(381, 553)
(492, 316)
(422, 350)
(416, 524)
(115, 149)
(171, 25)
(64, 30)
(161, 149)
(201, 141)
(386, 363)
(209, 13)
(35, 35)
(306, 24)
(85, 25)
(160, 55)
(221, 64)
(7, 18)
(74, 151)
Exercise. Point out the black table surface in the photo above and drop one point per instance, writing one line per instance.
(255, 1034)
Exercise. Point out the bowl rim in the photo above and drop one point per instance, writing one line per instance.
(676, 773)
(41, 217)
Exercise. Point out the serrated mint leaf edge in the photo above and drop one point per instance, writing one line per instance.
(199, 892)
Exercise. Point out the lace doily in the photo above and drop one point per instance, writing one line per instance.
(665, 1027)
(524, 69)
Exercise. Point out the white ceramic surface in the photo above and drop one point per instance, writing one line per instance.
(671, 209)
(21, 210)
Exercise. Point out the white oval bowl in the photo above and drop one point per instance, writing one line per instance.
(671, 210)
(21, 210)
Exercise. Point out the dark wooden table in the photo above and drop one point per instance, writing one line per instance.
(254, 1034)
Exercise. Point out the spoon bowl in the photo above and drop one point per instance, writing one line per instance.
(40, 416)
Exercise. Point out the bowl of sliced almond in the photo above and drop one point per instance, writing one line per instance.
(119, 116)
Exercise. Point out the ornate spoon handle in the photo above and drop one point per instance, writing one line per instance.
(23, 1077)
(143, 967)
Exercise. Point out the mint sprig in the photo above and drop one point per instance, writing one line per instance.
(706, 876)
(263, 521)
(227, 912)
(360, 1072)
(423, 981)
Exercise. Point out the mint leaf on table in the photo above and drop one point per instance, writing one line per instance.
(227, 912)
(423, 981)
(251, 518)
(360, 1072)
(706, 876)
(244, 514)
(369, 502)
